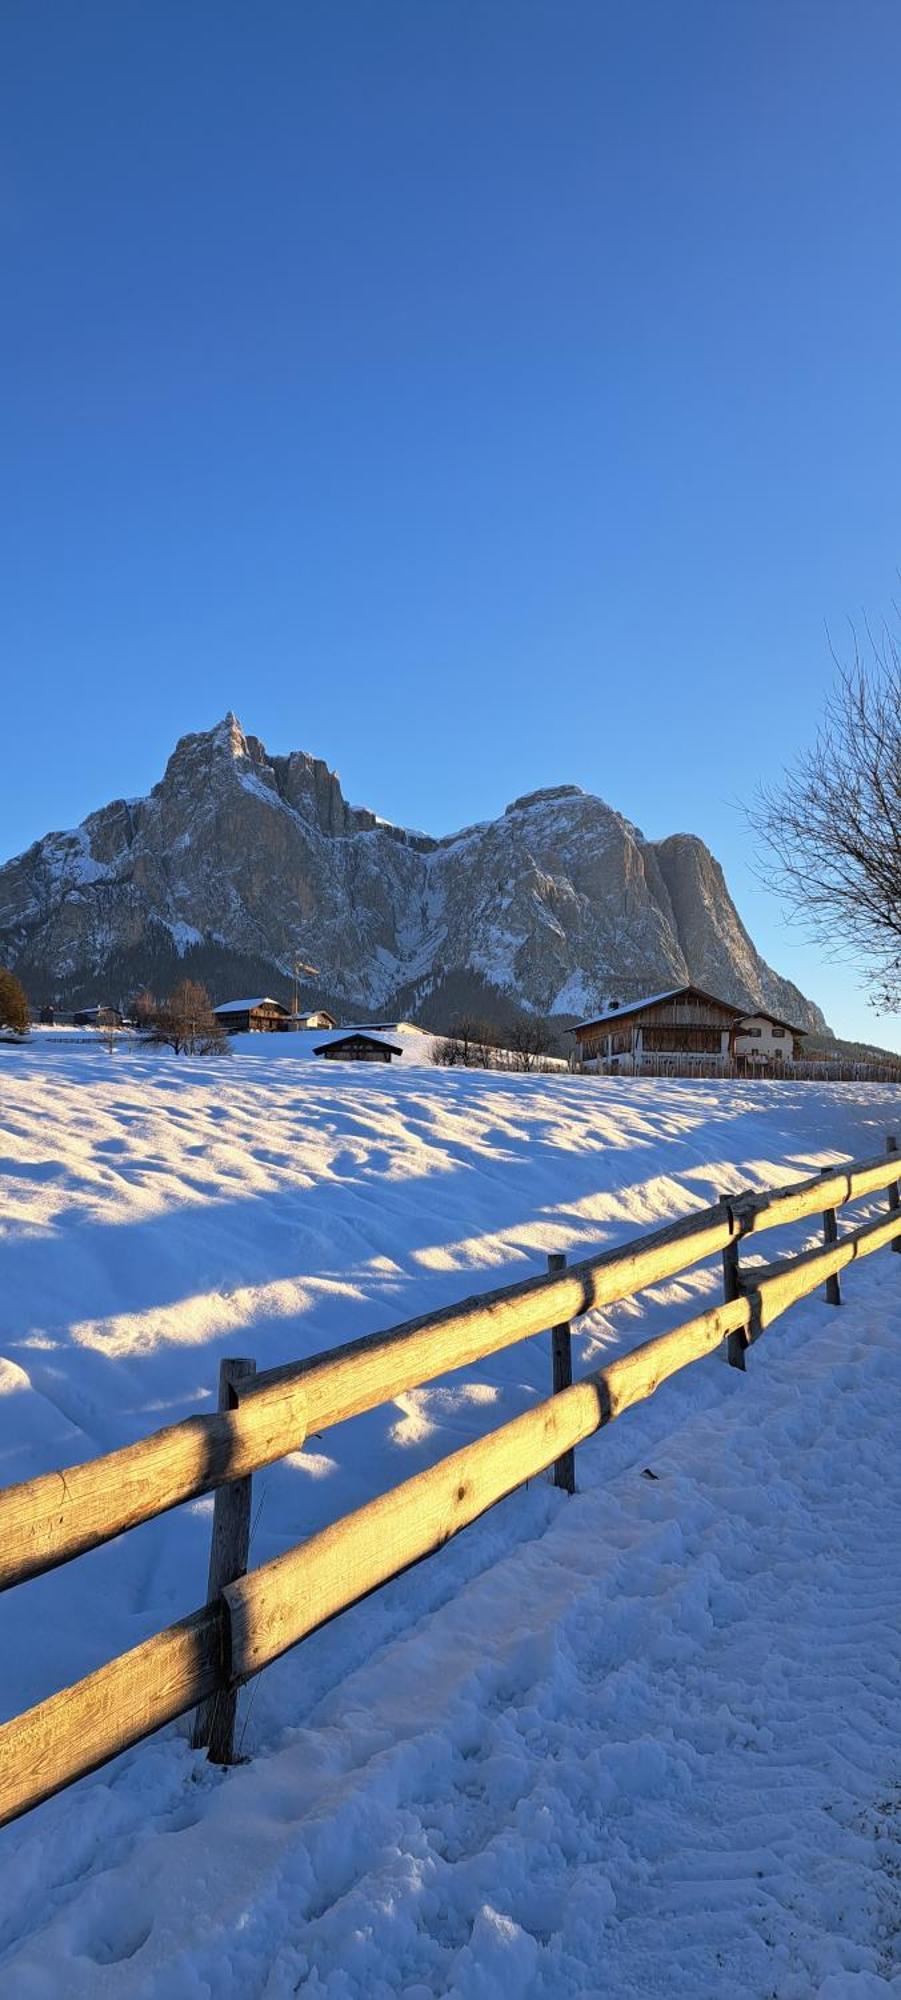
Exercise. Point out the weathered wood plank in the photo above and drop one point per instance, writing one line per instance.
(359, 1376)
(85, 1725)
(830, 1189)
(894, 1192)
(830, 1236)
(736, 1343)
(49, 1520)
(772, 1288)
(275, 1606)
(214, 1722)
(561, 1378)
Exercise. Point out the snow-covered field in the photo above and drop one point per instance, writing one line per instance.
(641, 1742)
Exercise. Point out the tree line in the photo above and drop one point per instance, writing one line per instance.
(473, 1043)
(182, 1020)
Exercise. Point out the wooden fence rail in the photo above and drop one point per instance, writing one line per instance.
(252, 1618)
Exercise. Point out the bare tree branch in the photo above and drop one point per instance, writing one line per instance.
(830, 830)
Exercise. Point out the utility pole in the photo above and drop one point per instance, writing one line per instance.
(299, 967)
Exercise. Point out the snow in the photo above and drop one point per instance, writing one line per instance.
(610, 1013)
(241, 1006)
(300, 1044)
(641, 1742)
(183, 936)
(574, 996)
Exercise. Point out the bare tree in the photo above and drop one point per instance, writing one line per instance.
(529, 1039)
(445, 1051)
(471, 1042)
(186, 1022)
(831, 829)
(144, 1008)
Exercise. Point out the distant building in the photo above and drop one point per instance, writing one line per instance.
(358, 1047)
(683, 1022)
(320, 1018)
(262, 1016)
(97, 1017)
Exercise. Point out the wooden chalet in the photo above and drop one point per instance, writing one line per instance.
(261, 1016)
(357, 1047)
(683, 1022)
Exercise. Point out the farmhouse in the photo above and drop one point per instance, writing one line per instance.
(358, 1047)
(97, 1017)
(683, 1022)
(320, 1018)
(262, 1016)
(763, 1038)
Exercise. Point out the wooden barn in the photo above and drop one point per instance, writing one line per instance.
(358, 1047)
(685, 1021)
(262, 1016)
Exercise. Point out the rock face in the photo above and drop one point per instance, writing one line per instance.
(239, 860)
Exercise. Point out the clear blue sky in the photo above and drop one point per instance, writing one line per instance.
(480, 395)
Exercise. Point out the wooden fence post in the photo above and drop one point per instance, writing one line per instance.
(830, 1235)
(562, 1365)
(214, 1722)
(735, 1342)
(894, 1193)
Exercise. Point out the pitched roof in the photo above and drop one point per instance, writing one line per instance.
(243, 1006)
(775, 1020)
(738, 1014)
(655, 1000)
(341, 1039)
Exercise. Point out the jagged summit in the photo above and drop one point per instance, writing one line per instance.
(548, 795)
(241, 859)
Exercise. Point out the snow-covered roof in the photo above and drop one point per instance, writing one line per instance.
(611, 1013)
(633, 1006)
(242, 1006)
(339, 1037)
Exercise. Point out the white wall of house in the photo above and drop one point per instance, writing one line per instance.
(758, 1039)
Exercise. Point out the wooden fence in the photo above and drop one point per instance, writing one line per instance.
(251, 1618)
(807, 1069)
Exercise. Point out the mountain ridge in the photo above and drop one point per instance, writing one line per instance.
(240, 858)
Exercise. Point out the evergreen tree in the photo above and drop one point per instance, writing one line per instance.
(13, 1003)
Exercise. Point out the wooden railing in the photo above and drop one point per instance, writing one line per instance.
(744, 1069)
(251, 1618)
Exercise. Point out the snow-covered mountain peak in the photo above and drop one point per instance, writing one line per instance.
(239, 856)
(547, 795)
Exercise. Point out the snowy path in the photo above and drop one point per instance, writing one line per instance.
(656, 1749)
(643, 1742)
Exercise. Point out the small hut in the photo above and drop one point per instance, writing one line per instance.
(357, 1047)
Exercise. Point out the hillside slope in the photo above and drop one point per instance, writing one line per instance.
(653, 1729)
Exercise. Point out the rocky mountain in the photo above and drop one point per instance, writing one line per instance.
(238, 860)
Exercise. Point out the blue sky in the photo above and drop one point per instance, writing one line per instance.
(479, 395)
